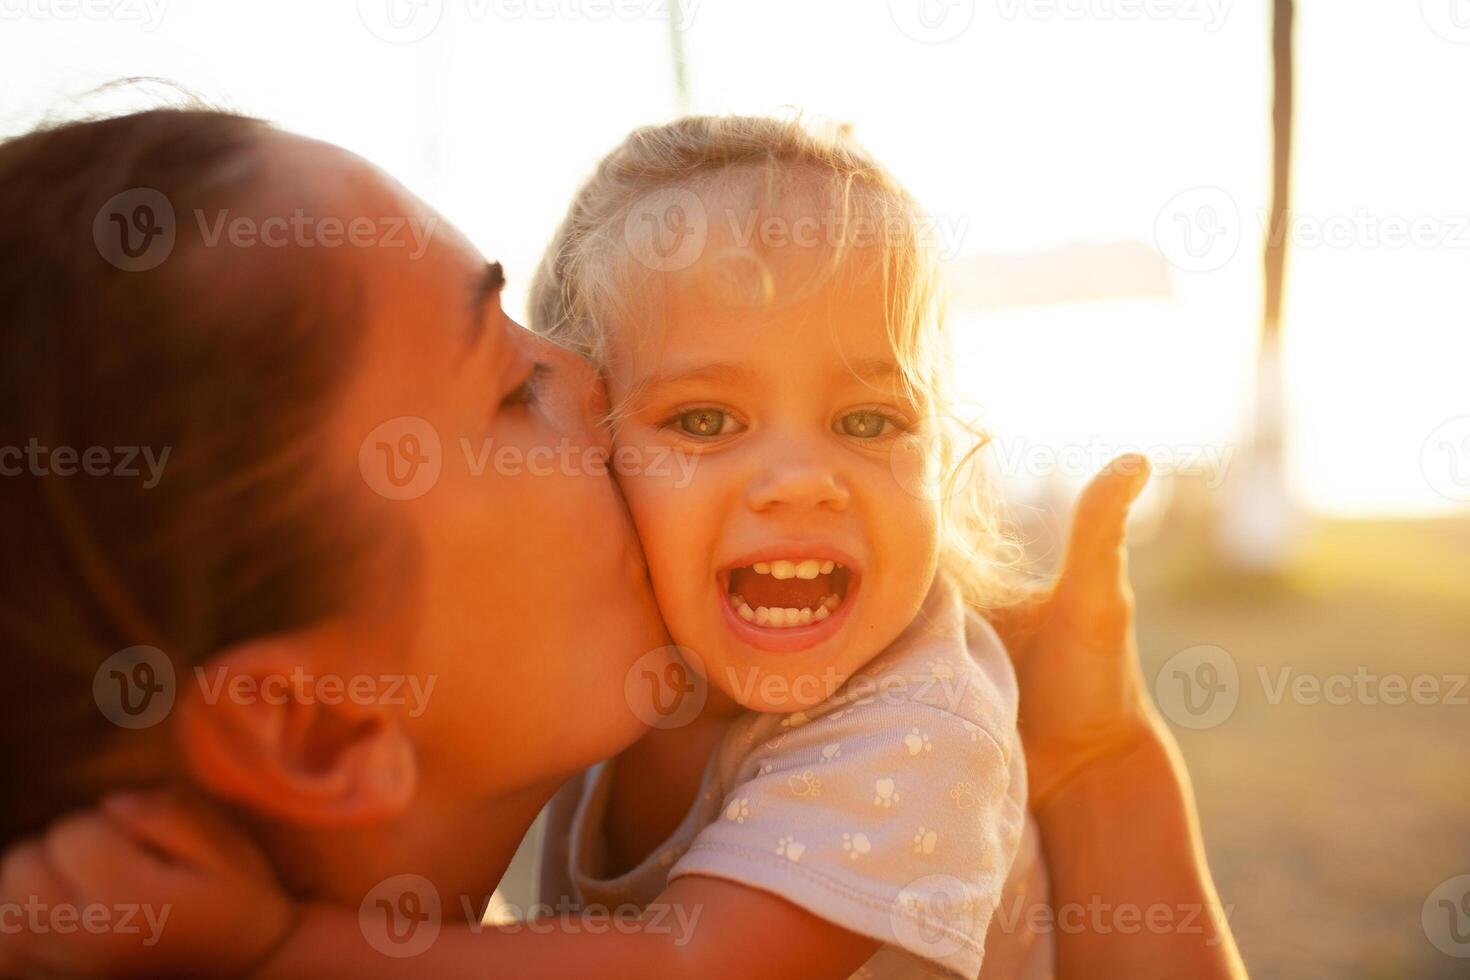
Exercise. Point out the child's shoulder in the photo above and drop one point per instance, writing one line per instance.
(947, 676)
(949, 661)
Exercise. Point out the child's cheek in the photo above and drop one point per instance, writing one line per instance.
(660, 485)
(907, 536)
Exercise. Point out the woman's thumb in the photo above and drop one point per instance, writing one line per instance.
(1102, 511)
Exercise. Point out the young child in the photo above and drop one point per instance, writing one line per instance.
(762, 300)
(834, 782)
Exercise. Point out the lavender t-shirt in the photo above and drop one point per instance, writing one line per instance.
(895, 809)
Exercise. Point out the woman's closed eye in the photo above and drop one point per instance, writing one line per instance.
(528, 391)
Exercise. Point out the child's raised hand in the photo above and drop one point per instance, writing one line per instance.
(144, 885)
(1073, 644)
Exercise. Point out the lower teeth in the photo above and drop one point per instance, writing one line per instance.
(780, 618)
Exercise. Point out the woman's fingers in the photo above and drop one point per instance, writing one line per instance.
(91, 856)
(185, 832)
(31, 886)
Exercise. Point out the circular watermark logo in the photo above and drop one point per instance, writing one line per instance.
(400, 21)
(666, 687)
(1450, 19)
(135, 687)
(666, 230)
(401, 916)
(1446, 917)
(1198, 687)
(1445, 459)
(936, 458)
(402, 458)
(932, 21)
(1199, 230)
(135, 230)
(936, 915)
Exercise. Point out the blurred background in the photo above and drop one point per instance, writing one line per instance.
(1231, 234)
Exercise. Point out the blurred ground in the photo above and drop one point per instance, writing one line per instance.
(1327, 825)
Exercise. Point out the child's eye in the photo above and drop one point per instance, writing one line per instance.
(866, 425)
(706, 422)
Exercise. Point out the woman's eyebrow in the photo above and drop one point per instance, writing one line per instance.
(488, 284)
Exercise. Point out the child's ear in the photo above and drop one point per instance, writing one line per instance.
(264, 725)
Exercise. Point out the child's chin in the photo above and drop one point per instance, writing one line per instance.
(780, 689)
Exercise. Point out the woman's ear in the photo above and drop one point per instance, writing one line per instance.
(268, 724)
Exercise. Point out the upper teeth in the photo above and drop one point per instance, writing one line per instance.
(807, 568)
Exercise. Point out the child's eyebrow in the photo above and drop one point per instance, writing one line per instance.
(876, 371)
(719, 372)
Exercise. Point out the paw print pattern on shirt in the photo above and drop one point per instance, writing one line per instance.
(832, 751)
(790, 848)
(856, 845)
(917, 742)
(925, 841)
(738, 810)
(804, 784)
(885, 792)
(941, 669)
(964, 795)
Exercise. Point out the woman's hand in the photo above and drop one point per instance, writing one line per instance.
(146, 885)
(1082, 697)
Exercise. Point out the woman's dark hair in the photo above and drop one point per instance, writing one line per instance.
(227, 362)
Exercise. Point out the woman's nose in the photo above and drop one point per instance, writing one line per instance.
(573, 395)
(800, 485)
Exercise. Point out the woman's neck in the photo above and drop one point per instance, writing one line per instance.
(463, 851)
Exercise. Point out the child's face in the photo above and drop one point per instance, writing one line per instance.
(783, 422)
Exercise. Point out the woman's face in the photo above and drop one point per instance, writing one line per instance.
(526, 601)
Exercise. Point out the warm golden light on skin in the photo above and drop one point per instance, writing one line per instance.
(778, 473)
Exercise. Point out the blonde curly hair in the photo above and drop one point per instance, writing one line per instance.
(597, 277)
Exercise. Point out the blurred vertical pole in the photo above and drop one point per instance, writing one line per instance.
(1260, 524)
(1270, 424)
(681, 68)
(1282, 110)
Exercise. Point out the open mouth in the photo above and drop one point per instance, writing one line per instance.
(787, 592)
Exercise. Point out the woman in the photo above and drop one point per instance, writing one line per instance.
(320, 404)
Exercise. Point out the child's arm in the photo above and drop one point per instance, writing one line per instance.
(700, 927)
(222, 915)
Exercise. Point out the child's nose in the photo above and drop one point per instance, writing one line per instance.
(800, 485)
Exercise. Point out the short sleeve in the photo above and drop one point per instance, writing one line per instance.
(890, 815)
